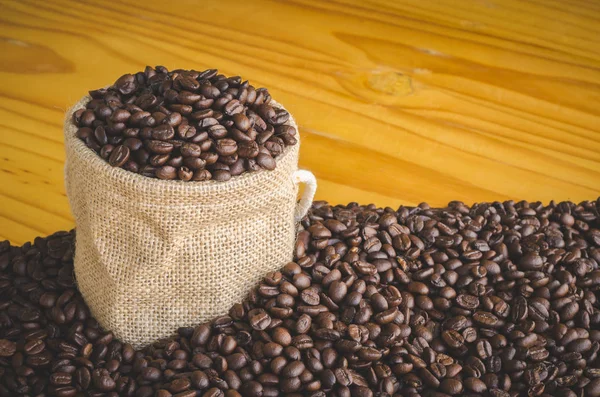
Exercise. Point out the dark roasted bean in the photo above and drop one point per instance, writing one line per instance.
(159, 110)
(119, 156)
(266, 161)
(354, 314)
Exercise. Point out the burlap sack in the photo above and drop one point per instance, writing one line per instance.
(154, 255)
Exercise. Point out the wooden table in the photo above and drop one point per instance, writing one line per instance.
(398, 102)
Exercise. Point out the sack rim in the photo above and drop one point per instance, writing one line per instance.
(134, 180)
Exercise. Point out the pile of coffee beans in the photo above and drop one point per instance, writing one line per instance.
(497, 299)
(185, 125)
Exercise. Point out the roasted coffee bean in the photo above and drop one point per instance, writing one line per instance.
(266, 112)
(343, 318)
(84, 132)
(100, 135)
(241, 122)
(451, 386)
(485, 319)
(159, 160)
(226, 147)
(175, 161)
(468, 302)
(185, 174)
(159, 147)
(233, 107)
(163, 132)
(281, 116)
(266, 161)
(119, 156)
(248, 149)
(221, 175)
(7, 348)
(592, 389)
(201, 175)
(126, 84)
(160, 111)
(34, 346)
(120, 116)
(132, 143)
(186, 131)
(453, 339)
(187, 97)
(166, 172)
(484, 349)
(475, 385)
(194, 163)
(190, 150)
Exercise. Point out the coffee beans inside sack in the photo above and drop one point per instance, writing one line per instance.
(497, 299)
(185, 125)
(184, 189)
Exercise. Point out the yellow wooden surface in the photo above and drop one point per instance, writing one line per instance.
(398, 101)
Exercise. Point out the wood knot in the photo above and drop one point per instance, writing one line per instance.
(390, 83)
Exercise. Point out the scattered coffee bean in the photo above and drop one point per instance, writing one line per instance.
(360, 312)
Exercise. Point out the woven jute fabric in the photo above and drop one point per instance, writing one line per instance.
(154, 255)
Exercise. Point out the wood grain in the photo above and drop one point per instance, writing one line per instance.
(398, 102)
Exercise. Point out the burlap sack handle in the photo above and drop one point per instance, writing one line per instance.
(306, 177)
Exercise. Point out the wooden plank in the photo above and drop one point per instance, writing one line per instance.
(398, 102)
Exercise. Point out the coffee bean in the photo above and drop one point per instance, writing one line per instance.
(126, 84)
(226, 147)
(475, 385)
(84, 133)
(281, 117)
(342, 318)
(60, 378)
(159, 147)
(202, 114)
(274, 147)
(190, 150)
(159, 160)
(579, 345)
(133, 144)
(453, 339)
(194, 163)
(7, 348)
(34, 346)
(120, 116)
(103, 382)
(100, 135)
(241, 122)
(221, 175)
(233, 107)
(485, 319)
(187, 97)
(146, 101)
(119, 156)
(185, 174)
(163, 132)
(593, 388)
(451, 386)
(260, 320)
(166, 172)
(266, 161)
(248, 149)
(188, 83)
(160, 110)
(468, 302)
(538, 311)
(266, 112)
(201, 175)
(65, 391)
